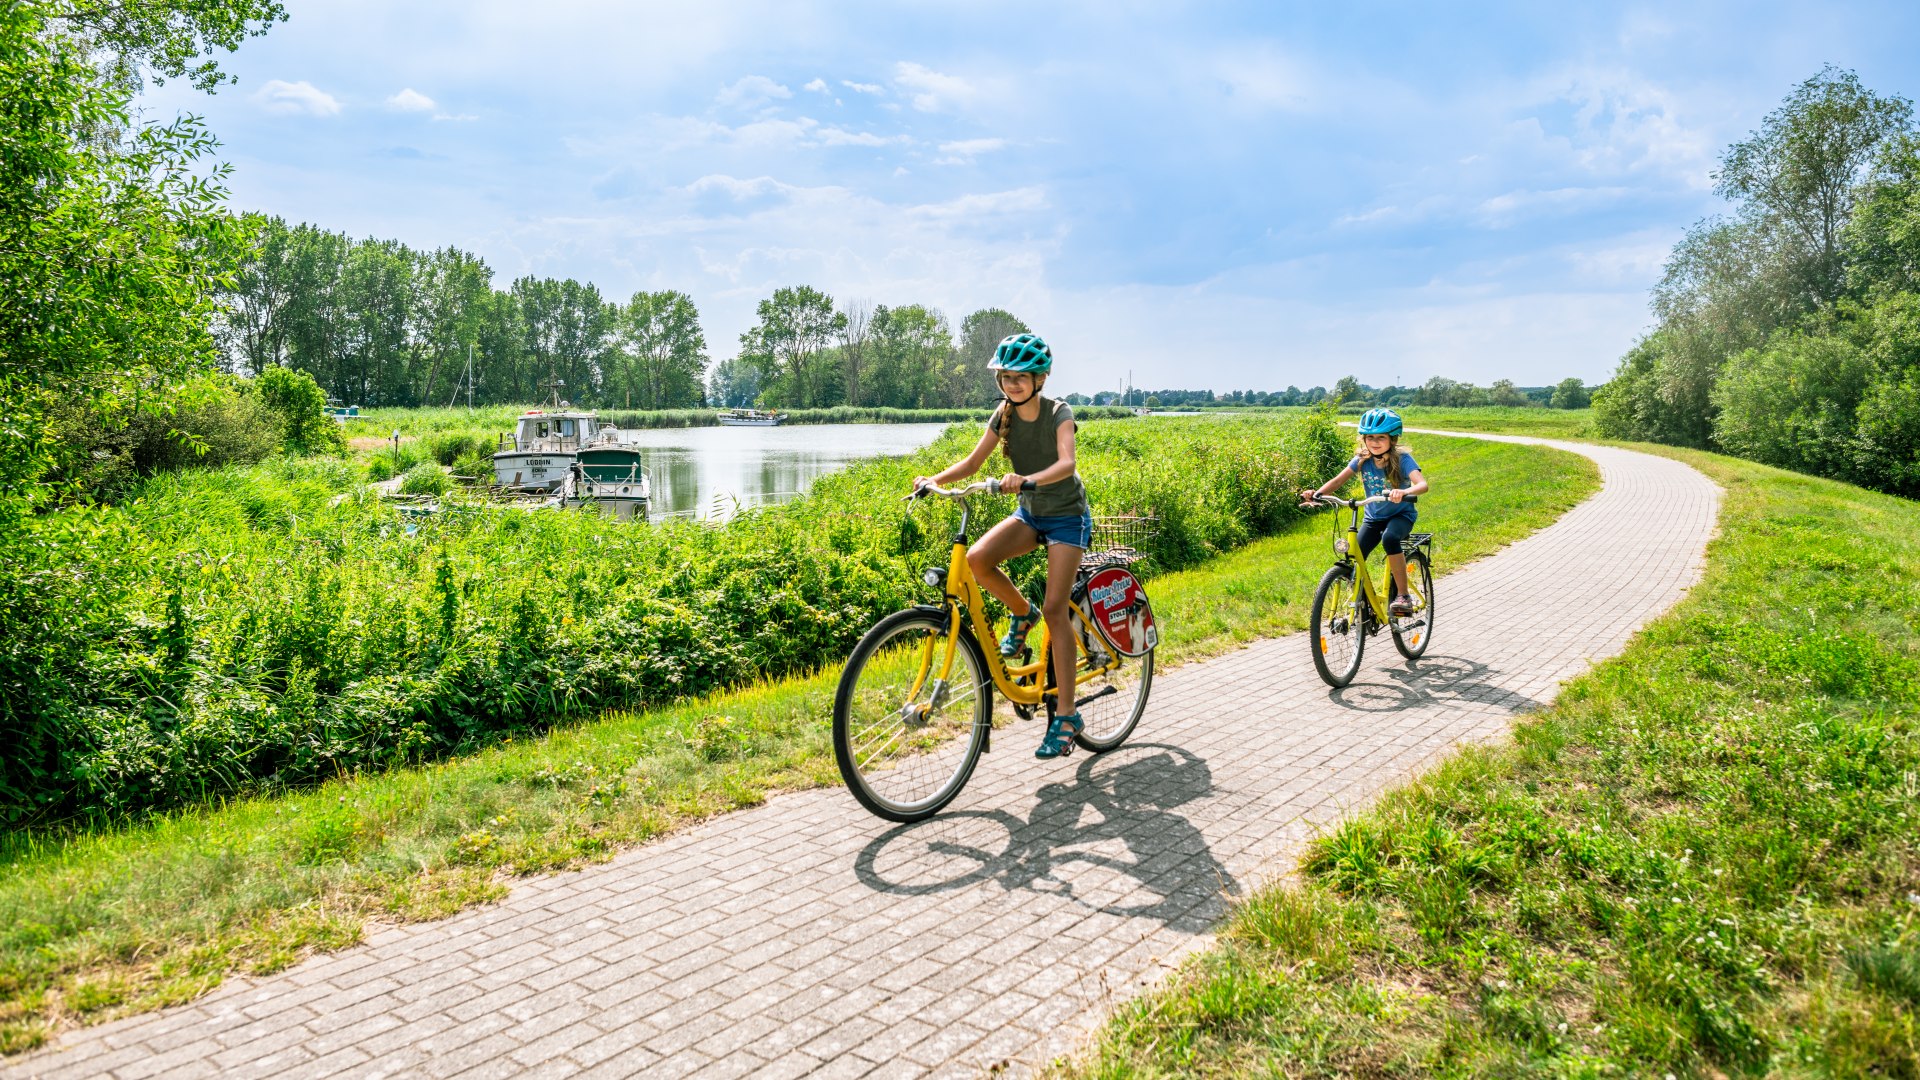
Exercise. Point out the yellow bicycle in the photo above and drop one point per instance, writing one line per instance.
(915, 706)
(1348, 607)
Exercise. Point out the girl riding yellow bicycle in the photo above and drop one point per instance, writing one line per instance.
(1038, 434)
(1385, 469)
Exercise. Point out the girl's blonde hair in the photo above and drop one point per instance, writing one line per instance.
(1395, 478)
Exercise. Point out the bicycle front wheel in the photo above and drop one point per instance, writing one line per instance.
(1337, 638)
(907, 740)
(1411, 634)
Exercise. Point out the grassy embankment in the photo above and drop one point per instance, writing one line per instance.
(1701, 861)
(96, 923)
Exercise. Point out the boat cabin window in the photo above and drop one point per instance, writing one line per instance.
(566, 428)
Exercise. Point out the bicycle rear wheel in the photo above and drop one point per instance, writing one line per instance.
(905, 740)
(1337, 638)
(1411, 634)
(1110, 703)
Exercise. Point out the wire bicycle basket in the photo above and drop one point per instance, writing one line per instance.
(1120, 539)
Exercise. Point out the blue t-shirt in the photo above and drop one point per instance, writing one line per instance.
(1374, 479)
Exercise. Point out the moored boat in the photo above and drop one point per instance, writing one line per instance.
(610, 477)
(751, 418)
(544, 445)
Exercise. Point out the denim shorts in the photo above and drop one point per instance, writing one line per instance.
(1073, 530)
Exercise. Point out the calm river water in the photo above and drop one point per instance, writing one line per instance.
(710, 471)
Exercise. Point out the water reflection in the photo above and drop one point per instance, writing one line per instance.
(714, 471)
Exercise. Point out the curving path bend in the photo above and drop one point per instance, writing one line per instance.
(805, 938)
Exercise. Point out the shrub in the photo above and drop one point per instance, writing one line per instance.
(1791, 403)
(301, 406)
(425, 478)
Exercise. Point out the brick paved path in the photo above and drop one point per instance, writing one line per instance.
(804, 937)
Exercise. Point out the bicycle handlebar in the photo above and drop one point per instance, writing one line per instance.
(1335, 500)
(991, 487)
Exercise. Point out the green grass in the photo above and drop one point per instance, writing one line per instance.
(104, 922)
(1701, 861)
(1547, 423)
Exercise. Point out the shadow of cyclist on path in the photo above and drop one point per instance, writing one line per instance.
(1431, 681)
(1108, 841)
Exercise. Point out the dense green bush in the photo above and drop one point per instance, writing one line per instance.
(1835, 399)
(300, 404)
(425, 478)
(248, 628)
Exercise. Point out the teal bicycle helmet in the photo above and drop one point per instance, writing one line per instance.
(1380, 422)
(1022, 352)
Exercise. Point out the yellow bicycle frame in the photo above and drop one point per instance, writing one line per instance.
(963, 593)
(1376, 599)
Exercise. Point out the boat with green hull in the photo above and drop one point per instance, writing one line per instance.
(609, 475)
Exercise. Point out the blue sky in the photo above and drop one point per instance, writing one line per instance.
(1207, 195)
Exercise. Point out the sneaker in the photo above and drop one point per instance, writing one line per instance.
(1401, 607)
(1060, 733)
(1015, 638)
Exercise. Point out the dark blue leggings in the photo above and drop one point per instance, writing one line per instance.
(1375, 532)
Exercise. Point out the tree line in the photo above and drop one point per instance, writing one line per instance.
(1789, 330)
(378, 323)
(1567, 394)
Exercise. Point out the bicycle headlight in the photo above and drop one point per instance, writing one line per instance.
(934, 576)
(1340, 546)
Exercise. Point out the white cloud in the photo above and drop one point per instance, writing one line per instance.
(932, 91)
(411, 100)
(1018, 200)
(818, 86)
(1621, 123)
(740, 189)
(1506, 208)
(751, 91)
(279, 96)
(963, 151)
(863, 88)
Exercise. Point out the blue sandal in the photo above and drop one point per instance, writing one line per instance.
(1017, 626)
(1060, 732)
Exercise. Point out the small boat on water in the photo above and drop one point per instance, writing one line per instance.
(609, 477)
(543, 446)
(751, 418)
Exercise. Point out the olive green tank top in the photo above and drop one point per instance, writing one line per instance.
(1033, 446)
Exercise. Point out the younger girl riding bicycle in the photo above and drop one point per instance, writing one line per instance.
(1038, 435)
(1384, 469)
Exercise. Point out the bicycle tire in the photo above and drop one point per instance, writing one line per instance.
(1108, 718)
(1335, 627)
(905, 760)
(1413, 643)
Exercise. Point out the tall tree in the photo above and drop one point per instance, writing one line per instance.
(853, 348)
(665, 352)
(252, 321)
(451, 290)
(980, 332)
(1801, 170)
(796, 325)
(110, 253)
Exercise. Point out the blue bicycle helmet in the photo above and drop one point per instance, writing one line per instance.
(1022, 352)
(1380, 422)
